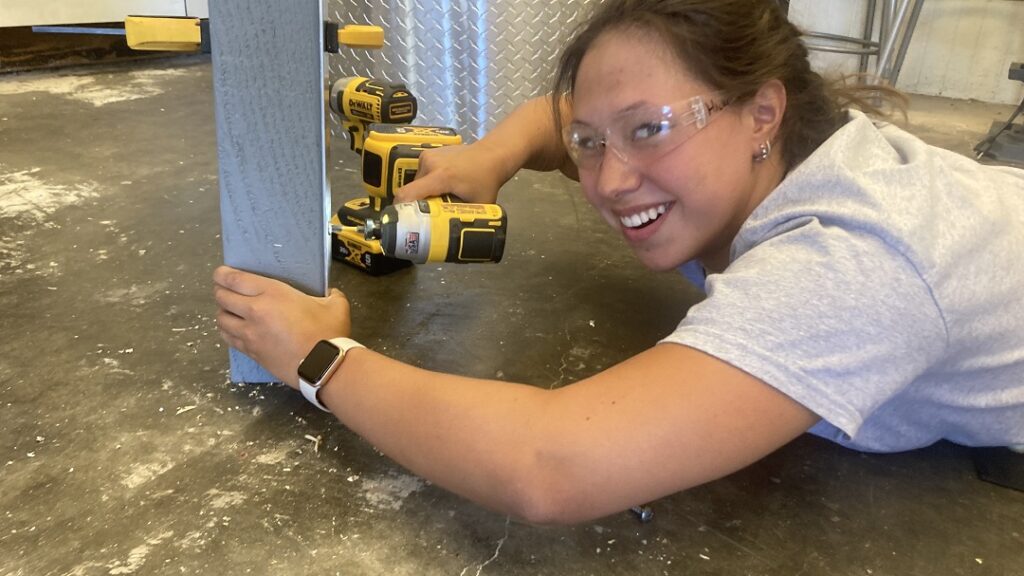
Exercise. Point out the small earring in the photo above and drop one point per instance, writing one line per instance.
(766, 150)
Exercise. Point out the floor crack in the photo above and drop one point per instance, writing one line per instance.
(497, 550)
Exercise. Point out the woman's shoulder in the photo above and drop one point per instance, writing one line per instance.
(868, 148)
(874, 166)
(862, 144)
(874, 180)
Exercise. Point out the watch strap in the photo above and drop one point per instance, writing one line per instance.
(310, 389)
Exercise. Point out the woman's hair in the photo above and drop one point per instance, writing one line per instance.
(734, 46)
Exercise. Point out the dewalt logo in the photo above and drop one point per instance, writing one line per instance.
(361, 109)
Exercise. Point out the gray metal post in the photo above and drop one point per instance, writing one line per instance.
(268, 81)
(897, 26)
(868, 33)
(901, 54)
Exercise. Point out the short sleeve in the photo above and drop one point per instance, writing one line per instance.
(835, 319)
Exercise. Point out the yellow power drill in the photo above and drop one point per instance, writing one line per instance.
(364, 101)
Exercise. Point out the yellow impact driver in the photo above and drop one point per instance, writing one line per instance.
(439, 229)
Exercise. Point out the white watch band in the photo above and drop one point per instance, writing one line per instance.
(310, 389)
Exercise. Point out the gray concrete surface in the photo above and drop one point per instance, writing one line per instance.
(124, 450)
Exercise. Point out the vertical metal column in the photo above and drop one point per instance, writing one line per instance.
(901, 54)
(268, 82)
(868, 34)
(891, 39)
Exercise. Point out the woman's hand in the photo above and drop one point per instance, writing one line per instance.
(273, 323)
(526, 138)
(473, 172)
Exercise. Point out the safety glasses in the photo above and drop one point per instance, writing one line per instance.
(642, 135)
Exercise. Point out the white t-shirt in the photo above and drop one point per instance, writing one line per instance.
(881, 285)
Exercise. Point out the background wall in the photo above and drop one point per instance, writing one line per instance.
(471, 61)
(960, 48)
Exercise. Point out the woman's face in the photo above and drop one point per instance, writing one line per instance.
(686, 200)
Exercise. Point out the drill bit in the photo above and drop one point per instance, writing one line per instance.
(336, 228)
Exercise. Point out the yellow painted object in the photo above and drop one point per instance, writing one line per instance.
(170, 34)
(472, 229)
(408, 134)
(391, 157)
(361, 36)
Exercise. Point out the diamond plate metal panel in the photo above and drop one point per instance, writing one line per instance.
(469, 62)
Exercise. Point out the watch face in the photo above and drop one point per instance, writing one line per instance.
(318, 361)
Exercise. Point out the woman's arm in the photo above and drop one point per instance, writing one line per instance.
(526, 138)
(665, 420)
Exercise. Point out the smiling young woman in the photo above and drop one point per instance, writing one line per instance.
(857, 281)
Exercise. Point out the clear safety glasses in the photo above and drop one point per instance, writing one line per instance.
(641, 135)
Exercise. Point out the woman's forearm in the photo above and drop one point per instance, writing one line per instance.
(526, 138)
(434, 424)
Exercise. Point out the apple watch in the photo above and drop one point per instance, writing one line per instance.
(319, 365)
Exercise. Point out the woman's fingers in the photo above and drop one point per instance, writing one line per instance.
(426, 185)
(232, 302)
(230, 327)
(241, 282)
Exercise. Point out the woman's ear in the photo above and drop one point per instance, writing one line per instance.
(765, 112)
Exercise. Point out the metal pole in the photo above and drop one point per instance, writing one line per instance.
(883, 69)
(901, 54)
(869, 32)
(269, 85)
(884, 23)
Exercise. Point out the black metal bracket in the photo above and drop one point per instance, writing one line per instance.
(331, 37)
(1005, 141)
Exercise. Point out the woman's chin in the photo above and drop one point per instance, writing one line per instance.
(657, 261)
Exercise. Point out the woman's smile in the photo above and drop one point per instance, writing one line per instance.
(639, 224)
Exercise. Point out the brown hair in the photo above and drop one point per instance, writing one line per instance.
(735, 46)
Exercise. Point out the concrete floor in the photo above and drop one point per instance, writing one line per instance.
(125, 450)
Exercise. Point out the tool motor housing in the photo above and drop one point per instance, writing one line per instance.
(443, 230)
(363, 101)
(370, 100)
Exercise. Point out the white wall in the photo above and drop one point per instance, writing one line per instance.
(960, 49)
(48, 12)
(197, 8)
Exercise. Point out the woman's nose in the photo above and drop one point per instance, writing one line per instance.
(616, 176)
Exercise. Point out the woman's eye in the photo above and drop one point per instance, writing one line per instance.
(584, 142)
(648, 130)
